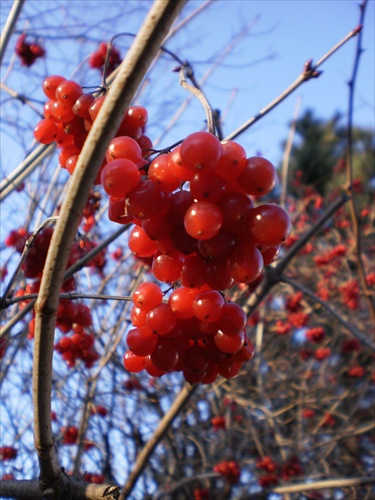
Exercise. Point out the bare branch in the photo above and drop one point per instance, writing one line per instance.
(310, 71)
(130, 75)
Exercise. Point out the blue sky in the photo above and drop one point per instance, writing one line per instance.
(281, 36)
(284, 34)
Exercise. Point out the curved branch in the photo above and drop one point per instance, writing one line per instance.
(186, 71)
(131, 72)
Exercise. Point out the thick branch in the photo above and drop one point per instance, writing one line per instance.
(131, 72)
(30, 490)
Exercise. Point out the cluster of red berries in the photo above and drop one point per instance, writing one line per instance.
(97, 58)
(71, 316)
(70, 437)
(218, 423)
(17, 239)
(356, 371)
(267, 464)
(282, 327)
(79, 346)
(28, 52)
(8, 453)
(308, 413)
(331, 256)
(293, 302)
(316, 334)
(94, 478)
(291, 467)
(213, 227)
(230, 470)
(350, 292)
(69, 114)
(195, 332)
(206, 238)
(99, 410)
(201, 494)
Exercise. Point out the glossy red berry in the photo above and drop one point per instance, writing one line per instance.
(201, 151)
(203, 220)
(269, 224)
(50, 85)
(119, 177)
(259, 176)
(46, 131)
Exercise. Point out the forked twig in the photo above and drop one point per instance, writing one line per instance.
(310, 70)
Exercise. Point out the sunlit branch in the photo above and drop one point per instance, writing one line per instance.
(130, 75)
(26, 167)
(9, 26)
(185, 71)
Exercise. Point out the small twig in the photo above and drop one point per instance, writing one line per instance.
(23, 99)
(228, 49)
(323, 485)
(25, 168)
(349, 170)
(310, 71)
(186, 71)
(288, 149)
(72, 296)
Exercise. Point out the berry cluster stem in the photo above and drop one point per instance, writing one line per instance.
(186, 71)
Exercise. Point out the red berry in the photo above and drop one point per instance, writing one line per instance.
(201, 151)
(207, 306)
(136, 116)
(232, 161)
(68, 92)
(142, 341)
(259, 176)
(269, 224)
(124, 147)
(147, 296)
(50, 85)
(119, 177)
(161, 320)
(133, 363)
(46, 131)
(140, 244)
(203, 220)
